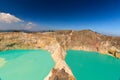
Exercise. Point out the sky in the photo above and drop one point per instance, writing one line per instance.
(102, 16)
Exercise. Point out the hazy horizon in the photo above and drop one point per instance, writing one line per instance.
(102, 16)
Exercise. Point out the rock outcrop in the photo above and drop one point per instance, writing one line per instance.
(60, 75)
(57, 43)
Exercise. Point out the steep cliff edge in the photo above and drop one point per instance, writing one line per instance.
(47, 41)
(57, 43)
(89, 41)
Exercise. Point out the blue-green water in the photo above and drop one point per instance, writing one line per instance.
(93, 66)
(25, 64)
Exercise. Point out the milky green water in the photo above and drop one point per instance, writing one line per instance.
(93, 66)
(25, 64)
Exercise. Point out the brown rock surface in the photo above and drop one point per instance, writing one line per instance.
(60, 75)
(58, 42)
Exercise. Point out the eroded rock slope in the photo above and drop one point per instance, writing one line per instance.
(57, 43)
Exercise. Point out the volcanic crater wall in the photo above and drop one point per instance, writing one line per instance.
(57, 43)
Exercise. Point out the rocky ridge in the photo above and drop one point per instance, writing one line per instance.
(57, 43)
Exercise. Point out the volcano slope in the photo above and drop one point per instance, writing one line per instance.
(57, 43)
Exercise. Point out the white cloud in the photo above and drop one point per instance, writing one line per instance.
(8, 18)
(30, 25)
(34, 27)
(11, 22)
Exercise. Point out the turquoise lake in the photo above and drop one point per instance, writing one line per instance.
(25, 64)
(93, 66)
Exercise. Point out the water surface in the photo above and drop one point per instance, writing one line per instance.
(25, 64)
(93, 66)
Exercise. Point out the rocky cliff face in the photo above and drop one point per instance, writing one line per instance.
(57, 43)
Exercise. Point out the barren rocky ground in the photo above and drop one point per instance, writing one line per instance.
(58, 42)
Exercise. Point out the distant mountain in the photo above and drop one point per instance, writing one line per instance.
(27, 31)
